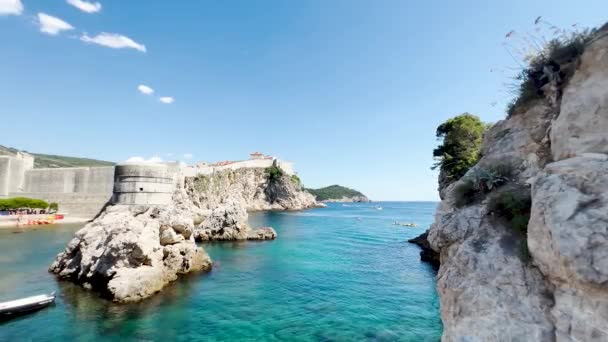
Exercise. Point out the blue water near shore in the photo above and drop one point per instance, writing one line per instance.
(342, 273)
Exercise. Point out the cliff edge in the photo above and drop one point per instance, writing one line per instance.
(522, 236)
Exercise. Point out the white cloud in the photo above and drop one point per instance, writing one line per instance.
(52, 25)
(137, 159)
(144, 89)
(11, 7)
(85, 6)
(166, 99)
(188, 155)
(114, 41)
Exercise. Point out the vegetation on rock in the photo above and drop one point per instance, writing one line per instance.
(274, 172)
(461, 146)
(514, 205)
(296, 179)
(476, 185)
(334, 192)
(554, 63)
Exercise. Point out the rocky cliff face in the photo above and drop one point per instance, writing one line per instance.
(250, 188)
(498, 283)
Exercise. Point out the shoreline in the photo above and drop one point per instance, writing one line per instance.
(7, 222)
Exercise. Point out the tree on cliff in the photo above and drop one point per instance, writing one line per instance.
(460, 148)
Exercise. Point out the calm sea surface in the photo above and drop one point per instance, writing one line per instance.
(343, 273)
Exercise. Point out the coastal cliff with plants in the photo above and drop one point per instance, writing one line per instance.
(130, 252)
(521, 229)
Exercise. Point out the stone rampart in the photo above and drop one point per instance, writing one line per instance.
(143, 184)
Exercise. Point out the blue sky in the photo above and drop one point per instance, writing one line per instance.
(351, 91)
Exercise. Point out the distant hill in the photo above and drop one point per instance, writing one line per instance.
(52, 161)
(338, 193)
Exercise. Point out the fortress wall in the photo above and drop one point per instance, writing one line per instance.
(90, 180)
(5, 164)
(145, 184)
(251, 163)
(12, 174)
(80, 191)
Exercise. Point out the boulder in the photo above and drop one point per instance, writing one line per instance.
(125, 254)
(262, 233)
(225, 223)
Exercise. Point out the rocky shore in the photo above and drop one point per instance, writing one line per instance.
(128, 252)
(427, 253)
(527, 260)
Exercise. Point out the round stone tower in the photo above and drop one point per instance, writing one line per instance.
(142, 184)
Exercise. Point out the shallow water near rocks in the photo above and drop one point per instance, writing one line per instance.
(334, 274)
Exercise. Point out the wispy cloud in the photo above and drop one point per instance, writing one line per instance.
(166, 99)
(188, 156)
(52, 25)
(138, 159)
(114, 41)
(144, 89)
(85, 6)
(11, 7)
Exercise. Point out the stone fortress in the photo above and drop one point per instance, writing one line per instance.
(84, 191)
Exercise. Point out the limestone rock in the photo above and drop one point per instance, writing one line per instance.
(250, 188)
(262, 233)
(582, 124)
(488, 292)
(488, 289)
(427, 253)
(122, 255)
(227, 222)
(568, 238)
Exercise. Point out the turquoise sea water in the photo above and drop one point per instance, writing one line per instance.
(342, 273)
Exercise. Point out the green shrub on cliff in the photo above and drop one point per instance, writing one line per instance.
(477, 184)
(296, 179)
(22, 203)
(461, 145)
(274, 172)
(514, 205)
(555, 62)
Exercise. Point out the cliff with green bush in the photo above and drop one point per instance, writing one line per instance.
(521, 228)
(338, 193)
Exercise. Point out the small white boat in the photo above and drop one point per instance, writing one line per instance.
(25, 305)
(378, 208)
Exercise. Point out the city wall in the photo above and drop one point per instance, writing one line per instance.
(84, 191)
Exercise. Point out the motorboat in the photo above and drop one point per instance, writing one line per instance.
(25, 305)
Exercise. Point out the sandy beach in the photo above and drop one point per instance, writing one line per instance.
(11, 221)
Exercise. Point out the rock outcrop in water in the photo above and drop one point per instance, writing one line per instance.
(497, 282)
(131, 252)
